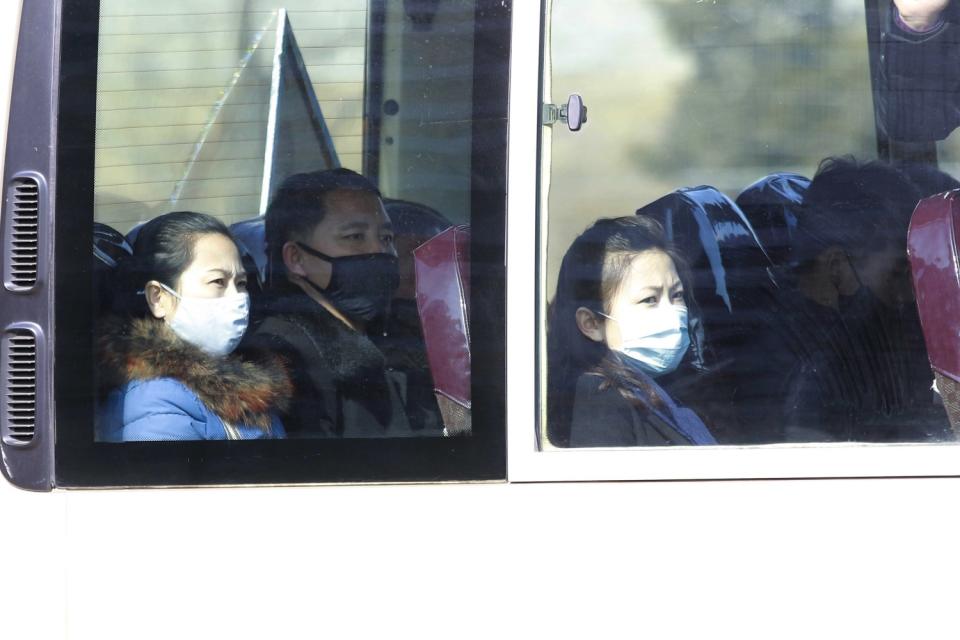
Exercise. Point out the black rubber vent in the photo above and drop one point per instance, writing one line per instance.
(23, 241)
(20, 386)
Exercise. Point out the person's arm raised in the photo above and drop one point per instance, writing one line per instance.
(920, 15)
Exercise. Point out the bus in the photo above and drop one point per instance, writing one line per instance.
(495, 134)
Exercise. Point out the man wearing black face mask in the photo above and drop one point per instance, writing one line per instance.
(857, 363)
(332, 273)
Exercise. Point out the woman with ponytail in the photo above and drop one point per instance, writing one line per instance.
(168, 369)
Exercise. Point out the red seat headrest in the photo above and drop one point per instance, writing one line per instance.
(935, 263)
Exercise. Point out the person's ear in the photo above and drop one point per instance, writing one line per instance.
(159, 300)
(589, 324)
(292, 258)
(841, 272)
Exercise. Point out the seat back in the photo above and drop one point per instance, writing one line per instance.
(773, 204)
(110, 248)
(731, 270)
(134, 232)
(251, 240)
(413, 224)
(443, 299)
(932, 246)
(734, 286)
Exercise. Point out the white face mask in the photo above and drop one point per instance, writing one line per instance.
(657, 340)
(214, 325)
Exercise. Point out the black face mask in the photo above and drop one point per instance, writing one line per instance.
(361, 286)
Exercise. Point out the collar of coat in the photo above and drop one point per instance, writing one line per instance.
(239, 391)
(351, 358)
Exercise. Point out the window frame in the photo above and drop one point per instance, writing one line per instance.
(81, 462)
(529, 155)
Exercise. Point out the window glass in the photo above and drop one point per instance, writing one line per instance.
(681, 93)
(183, 100)
(948, 152)
(730, 300)
(283, 200)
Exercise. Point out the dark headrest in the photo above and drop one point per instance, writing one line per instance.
(772, 204)
(109, 246)
(934, 262)
(134, 232)
(928, 179)
(415, 219)
(716, 238)
(249, 236)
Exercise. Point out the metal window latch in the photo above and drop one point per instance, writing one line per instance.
(574, 113)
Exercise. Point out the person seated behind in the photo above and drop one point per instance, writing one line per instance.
(854, 350)
(928, 179)
(332, 274)
(167, 363)
(618, 323)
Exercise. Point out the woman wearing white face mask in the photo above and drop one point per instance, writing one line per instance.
(167, 365)
(618, 323)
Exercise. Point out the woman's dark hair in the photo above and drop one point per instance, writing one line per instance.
(162, 251)
(591, 271)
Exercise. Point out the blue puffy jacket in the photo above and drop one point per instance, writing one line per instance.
(158, 387)
(165, 409)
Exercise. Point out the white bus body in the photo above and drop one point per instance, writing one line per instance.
(824, 558)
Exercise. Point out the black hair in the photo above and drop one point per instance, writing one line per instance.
(856, 207)
(591, 271)
(162, 251)
(299, 205)
(928, 179)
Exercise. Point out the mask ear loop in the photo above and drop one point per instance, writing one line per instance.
(143, 292)
(316, 254)
(170, 291)
(310, 251)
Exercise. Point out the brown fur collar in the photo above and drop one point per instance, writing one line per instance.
(239, 391)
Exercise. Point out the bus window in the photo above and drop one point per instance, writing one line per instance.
(724, 238)
(248, 159)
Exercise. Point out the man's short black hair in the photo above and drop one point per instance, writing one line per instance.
(299, 205)
(858, 207)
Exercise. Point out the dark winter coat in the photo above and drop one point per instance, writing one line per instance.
(602, 417)
(158, 387)
(344, 385)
